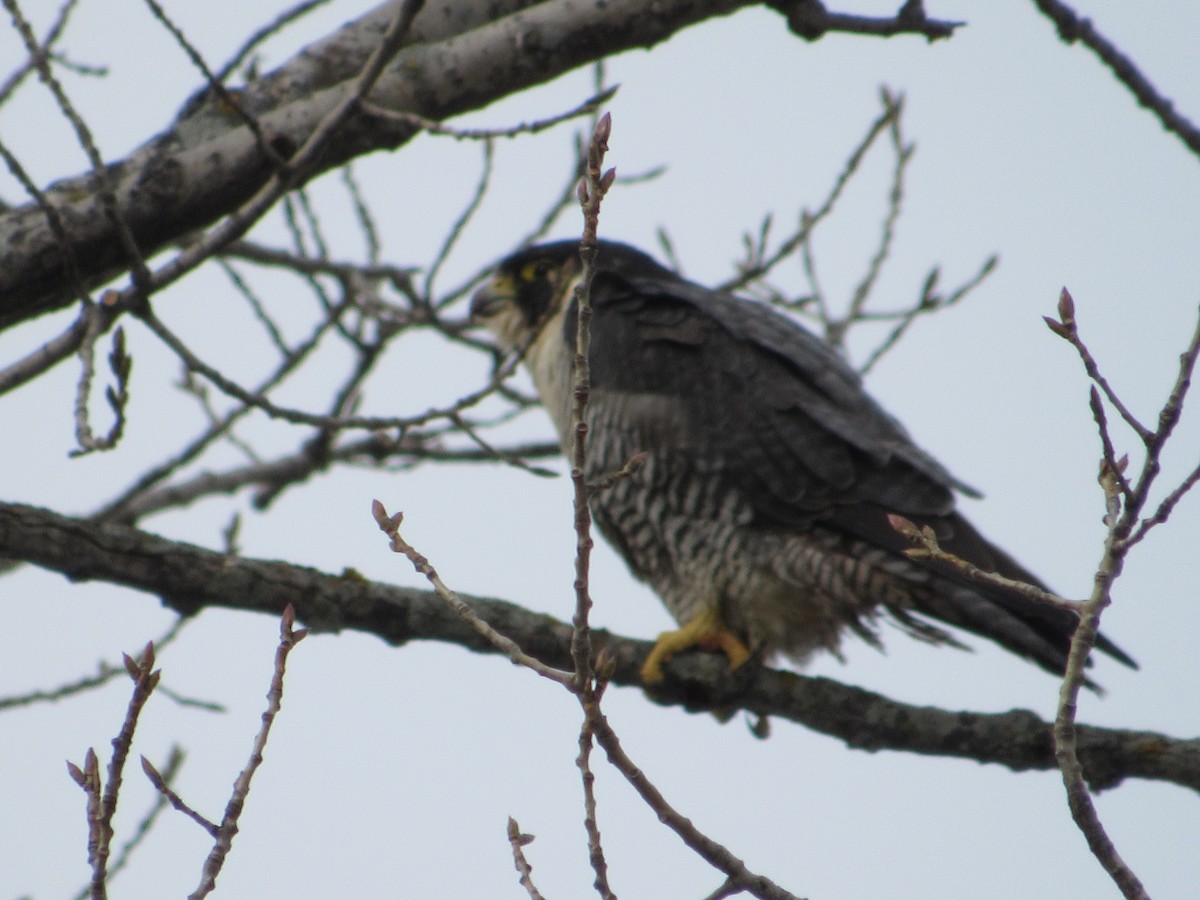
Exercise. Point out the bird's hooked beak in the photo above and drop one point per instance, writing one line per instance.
(494, 307)
(490, 299)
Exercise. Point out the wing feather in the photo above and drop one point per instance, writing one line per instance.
(765, 403)
(787, 416)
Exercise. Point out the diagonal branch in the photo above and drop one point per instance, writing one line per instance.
(205, 167)
(1072, 28)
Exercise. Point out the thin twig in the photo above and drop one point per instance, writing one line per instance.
(53, 33)
(106, 673)
(498, 453)
(1066, 751)
(226, 97)
(1166, 507)
(102, 801)
(892, 107)
(256, 305)
(272, 28)
(299, 416)
(518, 840)
(460, 223)
(433, 126)
(928, 302)
(1123, 502)
(1108, 451)
(1066, 328)
(904, 154)
(104, 188)
(591, 193)
(1072, 28)
(284, 178)
(162, 784)
(708, 849)
(289, 637)
(165, 469)
(930, 549)
(390, 525)
(592, 188)
(121, 365)
(125, 853)
(362, 212)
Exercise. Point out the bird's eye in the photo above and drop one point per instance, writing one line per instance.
(535, 271)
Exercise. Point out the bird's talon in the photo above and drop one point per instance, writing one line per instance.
(706, 631)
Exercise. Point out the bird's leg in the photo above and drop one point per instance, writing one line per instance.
(706, 631)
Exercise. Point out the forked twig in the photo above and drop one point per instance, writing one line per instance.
(1124, 501)
(289, 637)
(102, 799)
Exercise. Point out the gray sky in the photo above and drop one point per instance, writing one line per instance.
(391, 771)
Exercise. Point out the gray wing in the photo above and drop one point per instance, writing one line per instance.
(785, 415)
(771, 407)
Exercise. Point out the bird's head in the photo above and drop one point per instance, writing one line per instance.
(526, 290)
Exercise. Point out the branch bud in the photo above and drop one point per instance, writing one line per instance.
(1066, 308)
(904, 527)
(1057, 327)
(603, 130)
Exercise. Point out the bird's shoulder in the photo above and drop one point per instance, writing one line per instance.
(777, 405)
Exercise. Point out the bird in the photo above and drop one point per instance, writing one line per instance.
(759, 510)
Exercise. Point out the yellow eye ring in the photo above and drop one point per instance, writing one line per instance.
(536, 270)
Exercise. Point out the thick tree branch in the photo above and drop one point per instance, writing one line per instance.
(209, 163)
(190, 578)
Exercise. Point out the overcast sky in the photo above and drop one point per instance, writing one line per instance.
(391, 771)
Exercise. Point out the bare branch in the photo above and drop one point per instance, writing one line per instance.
(289, 637)
(121, 365)
(1123, 507)
(188, 578)
(809, 19)
(930, 549)
(390, 525)
(100, 174)
(1072, 28)
(170, 770)
(518, 841)
(586, 108)
(930, 301)
(297, 167)
(764, 263)
(106, 673)
(453, 65)
(272, 28)
(592, 188)
(102, 800)
(590, 824)
(215, 84)
(708, 849)
(456, 230)
(1067, 329)
(163, 786)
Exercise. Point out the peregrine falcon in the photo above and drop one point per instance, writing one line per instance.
(760, 512)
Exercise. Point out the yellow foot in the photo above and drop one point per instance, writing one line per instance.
(707, 631)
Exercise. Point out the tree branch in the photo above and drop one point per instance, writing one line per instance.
(1072, 28)
(207, 164)
(190, 578)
